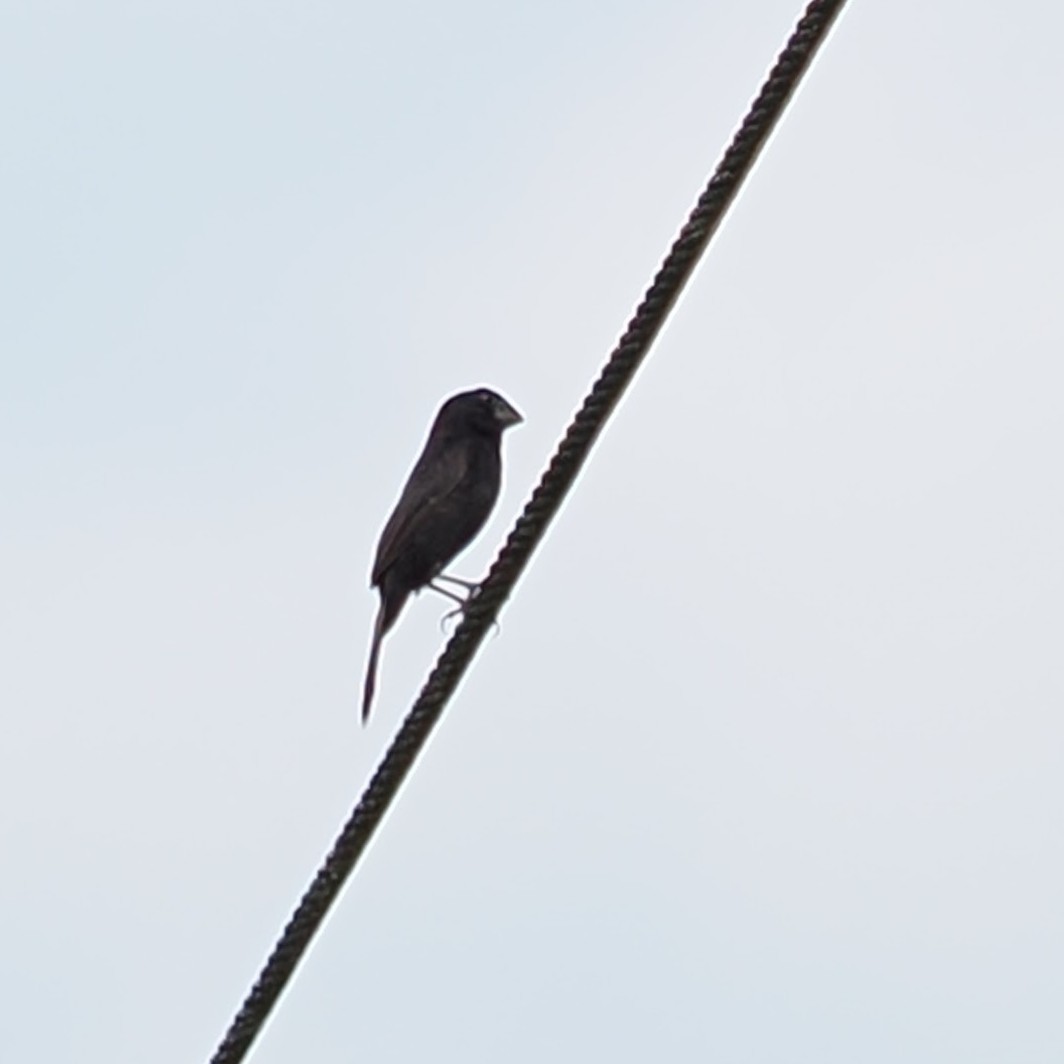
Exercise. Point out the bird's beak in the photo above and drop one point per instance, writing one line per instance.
(505, 414)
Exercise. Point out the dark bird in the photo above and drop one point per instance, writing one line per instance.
(446, 501)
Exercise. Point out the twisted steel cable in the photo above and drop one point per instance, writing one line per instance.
(572, 452)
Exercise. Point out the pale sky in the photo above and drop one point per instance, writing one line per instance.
(766, 764)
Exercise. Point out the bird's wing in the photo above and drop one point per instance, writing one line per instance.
(436, 475)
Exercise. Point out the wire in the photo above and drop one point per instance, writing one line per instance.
(555, 483)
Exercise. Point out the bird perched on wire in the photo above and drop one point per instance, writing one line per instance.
(446, 501)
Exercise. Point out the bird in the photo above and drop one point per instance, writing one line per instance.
(446, 501)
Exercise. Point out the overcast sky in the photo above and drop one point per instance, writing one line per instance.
(767, 762)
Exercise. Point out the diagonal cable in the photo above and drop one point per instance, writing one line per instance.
(555, 483)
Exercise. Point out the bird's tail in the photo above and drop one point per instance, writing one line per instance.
(371, 669)
(392, 603)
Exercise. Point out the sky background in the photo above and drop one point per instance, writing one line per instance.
(767, 762)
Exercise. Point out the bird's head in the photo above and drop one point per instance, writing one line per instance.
(480, 410)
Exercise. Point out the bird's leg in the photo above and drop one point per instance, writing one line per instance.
(471, 587)
(462, 602)
(447, 594)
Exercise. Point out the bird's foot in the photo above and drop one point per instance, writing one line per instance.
(472, 589)
(495, 628)
(460, 599)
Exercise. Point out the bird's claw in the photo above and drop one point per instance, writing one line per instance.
(459, 610)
